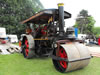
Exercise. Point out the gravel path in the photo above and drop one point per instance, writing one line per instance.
(94, 50)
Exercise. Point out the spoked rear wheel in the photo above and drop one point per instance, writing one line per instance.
(28, 47)
(60, 65)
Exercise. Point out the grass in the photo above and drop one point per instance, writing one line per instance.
(16, 64)
(16, 44)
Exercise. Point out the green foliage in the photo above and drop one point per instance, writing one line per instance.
(97, 31)
(83, 13)
(84, 22)
(12, 12)
(90, 25)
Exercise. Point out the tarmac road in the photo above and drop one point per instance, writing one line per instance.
(94, 50)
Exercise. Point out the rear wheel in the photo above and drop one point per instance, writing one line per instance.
(60, 65)
(28, 46)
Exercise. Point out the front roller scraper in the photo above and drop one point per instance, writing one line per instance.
(70, 56)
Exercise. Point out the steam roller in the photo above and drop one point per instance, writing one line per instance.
(71, 56)
(45, 36)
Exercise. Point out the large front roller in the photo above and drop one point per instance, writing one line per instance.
(28, 46)
(71, 57)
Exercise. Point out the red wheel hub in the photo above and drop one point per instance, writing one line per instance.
(27, 47)
(63, 54)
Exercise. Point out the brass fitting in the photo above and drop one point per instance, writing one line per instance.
(60, 4)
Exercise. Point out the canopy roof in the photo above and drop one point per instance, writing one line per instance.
(43, 16)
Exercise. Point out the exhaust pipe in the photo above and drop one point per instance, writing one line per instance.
(61, 19)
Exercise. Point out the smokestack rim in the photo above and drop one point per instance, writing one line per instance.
(60, 4)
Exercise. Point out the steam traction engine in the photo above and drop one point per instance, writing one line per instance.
(45, 36)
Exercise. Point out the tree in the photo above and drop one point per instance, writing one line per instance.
(12, 12)
(84, 22)
(97, 31)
